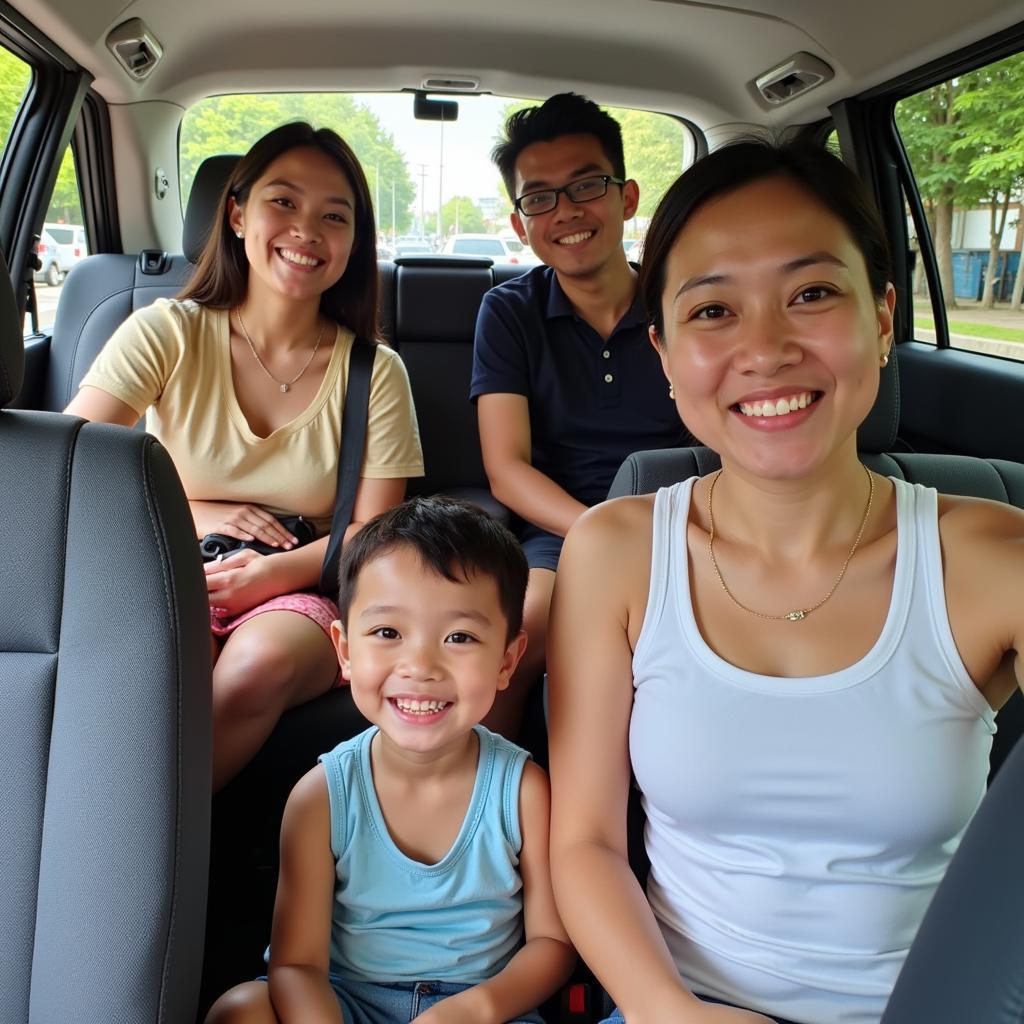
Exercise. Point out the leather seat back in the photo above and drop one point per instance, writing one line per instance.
(104, 720)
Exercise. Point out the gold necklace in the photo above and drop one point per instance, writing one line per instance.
(282, 385)
(798, 613)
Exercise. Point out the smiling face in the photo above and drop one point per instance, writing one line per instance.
(772, 340)
(424, 655)
(298, 224)
(575, 239)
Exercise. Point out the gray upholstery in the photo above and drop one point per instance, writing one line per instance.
(104, 721)
(103, 290)
(967, 961)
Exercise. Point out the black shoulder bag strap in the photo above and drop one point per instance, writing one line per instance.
(350, 458)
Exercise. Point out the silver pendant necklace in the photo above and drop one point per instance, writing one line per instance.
(282, 385)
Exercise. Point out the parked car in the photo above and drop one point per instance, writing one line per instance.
(49, 260)
(838, 73)
(72, 245)
(499, 247)
(413, 247)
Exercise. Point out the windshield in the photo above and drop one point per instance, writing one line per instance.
(430, 180)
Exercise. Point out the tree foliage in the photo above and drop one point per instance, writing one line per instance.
(231, 124)
(965, 140)
(15, 76)
(460, 215)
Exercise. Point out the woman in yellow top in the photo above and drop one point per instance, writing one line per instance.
(243, 378)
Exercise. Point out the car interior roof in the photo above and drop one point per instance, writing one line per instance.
(692, 59)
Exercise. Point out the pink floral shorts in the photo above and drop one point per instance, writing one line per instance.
(322, 610)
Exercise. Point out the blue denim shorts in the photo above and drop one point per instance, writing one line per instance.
(540, 547)
(617, 1018)
(364, 1002)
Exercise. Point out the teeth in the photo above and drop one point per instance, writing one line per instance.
(297, 257)
(777, 407)
(420, 707)
(581, 236)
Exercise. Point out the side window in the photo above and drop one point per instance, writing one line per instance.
(62, 241)
(15, 76)
(965, 141)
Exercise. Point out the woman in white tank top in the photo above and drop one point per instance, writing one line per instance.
(799, 660)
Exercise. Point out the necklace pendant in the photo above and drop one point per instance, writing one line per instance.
(796, 615)
(283, 388)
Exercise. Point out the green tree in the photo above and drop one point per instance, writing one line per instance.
(460, 215)
(991, 117)
(231, 124)
(929, 125)
(654, 150)
(66, 202)
(15, 76)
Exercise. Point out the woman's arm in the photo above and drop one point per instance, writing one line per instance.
(300, 989)
(983, 562)
(546, 958)
(600, 598)
(96, 404)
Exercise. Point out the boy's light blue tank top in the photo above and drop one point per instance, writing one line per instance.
(397, 919)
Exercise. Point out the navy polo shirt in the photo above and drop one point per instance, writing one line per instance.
(592, 402)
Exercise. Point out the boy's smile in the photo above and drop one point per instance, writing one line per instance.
(424, 655)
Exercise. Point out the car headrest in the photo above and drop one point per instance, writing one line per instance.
(878, 432)
(12, 342)
(204, 201)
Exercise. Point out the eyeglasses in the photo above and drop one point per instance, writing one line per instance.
(584, 190)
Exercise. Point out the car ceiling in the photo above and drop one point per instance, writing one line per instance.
(693, 59)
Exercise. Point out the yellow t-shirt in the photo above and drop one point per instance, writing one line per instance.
(172, 362)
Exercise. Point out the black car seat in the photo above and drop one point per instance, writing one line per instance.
(104, 720)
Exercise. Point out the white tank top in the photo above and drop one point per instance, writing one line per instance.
(797, 828)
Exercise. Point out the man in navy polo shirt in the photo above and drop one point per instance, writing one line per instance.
(565, 379)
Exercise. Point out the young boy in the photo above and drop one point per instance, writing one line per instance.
(414, 880)
(564, 377)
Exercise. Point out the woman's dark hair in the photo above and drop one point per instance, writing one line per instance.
(222, 273)
(818, 172)
(453, 538)
(565, 114)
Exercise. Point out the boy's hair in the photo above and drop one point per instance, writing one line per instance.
(565, 114)
(454, 538)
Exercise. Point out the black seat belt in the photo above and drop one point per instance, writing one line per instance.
(350, 458)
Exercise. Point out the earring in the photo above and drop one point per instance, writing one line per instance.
(671, 391)
(885, 359)
(239, 234)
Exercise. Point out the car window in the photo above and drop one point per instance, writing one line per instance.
(429, 179)
(479, 246)
(964, 138)
(15, 76)
(514, 245)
